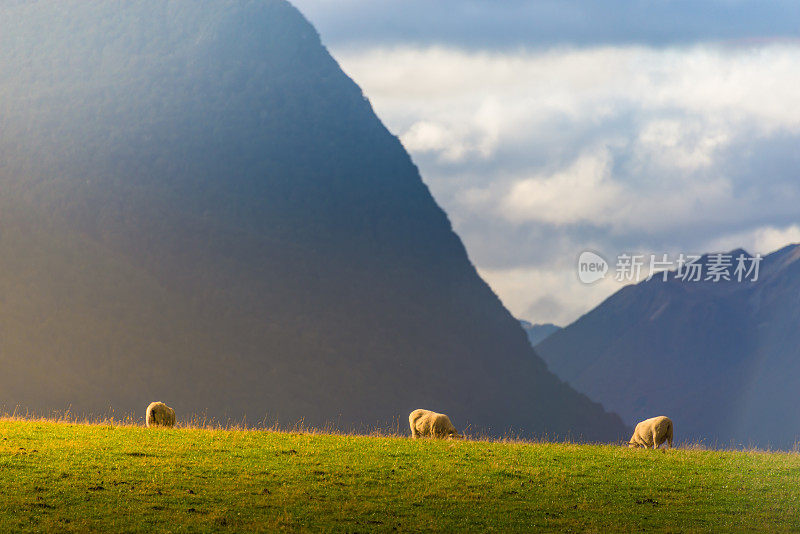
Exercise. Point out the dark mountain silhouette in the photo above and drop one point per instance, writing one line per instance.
(721, 359)
(197, 206)
(538, 332)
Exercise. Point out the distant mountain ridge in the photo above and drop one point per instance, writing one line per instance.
(198, 206)
(538, 332)
(721, 359)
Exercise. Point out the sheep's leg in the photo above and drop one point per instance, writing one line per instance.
(655, 439)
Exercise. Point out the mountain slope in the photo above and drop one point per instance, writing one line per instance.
(721, 359)
(198, 206)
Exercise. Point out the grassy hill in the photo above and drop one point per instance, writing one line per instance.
(109, 477)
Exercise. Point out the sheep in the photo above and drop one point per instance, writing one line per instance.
(159, 414)
(427, 423)
(652, 433)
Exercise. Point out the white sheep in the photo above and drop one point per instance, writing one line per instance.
(159, 414)
(652, 433)
(425, 423)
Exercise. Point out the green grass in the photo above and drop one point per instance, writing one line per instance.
(59, 477)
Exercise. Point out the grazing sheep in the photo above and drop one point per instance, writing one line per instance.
(427, 423)
(652, 433)
(159, 414)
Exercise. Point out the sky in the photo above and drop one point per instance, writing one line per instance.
(545, 129)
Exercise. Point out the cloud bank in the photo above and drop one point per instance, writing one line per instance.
(537, 155)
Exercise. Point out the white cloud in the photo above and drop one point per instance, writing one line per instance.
(685, 144)
(426, 136)
(585, 192)
(581, 192)
(768, 239)
(762, 240)
(452, 143)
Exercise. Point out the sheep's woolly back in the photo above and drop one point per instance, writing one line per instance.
(159, 414)
(651, 433)
(425, 423)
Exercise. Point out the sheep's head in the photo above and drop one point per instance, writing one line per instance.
(632, 445)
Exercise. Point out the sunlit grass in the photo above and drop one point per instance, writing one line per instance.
(118, 476)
